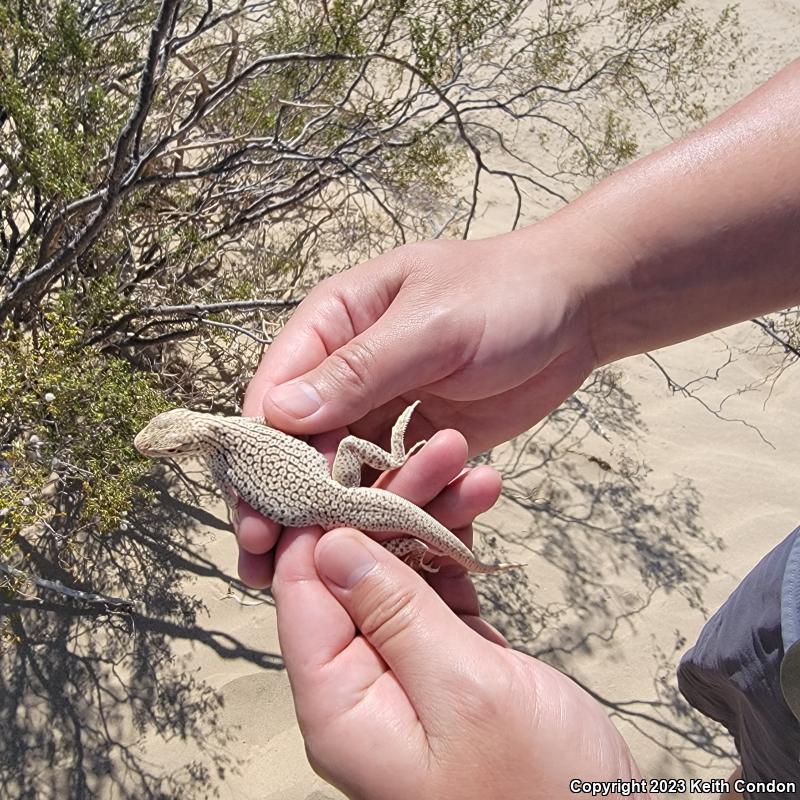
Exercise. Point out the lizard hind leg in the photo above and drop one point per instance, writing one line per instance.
(353, 452)
(399, 452)
(410, 551)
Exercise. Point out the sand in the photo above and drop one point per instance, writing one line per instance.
(704, 497)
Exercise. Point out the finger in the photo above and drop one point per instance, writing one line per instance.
(301, 346)
(429, 470)
(255, 534)
(472, 493)
(255, 571)
(408, 625)
(334, 312)
(345, 698)
(456, 589)
(329, 664)
(312, 625)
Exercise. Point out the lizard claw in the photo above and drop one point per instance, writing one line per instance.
(416, 447)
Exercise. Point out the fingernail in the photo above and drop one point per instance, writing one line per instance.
(346, 562)
(298, 399)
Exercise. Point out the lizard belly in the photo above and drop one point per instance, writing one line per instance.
(286, 502)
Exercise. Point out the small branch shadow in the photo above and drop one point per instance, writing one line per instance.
(605, 539)
(81, 688)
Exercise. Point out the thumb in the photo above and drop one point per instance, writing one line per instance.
(421, 640)
(399, 353)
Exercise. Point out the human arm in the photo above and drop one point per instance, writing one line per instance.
(701, 234)
(493, 334)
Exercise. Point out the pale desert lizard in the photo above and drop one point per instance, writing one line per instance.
(287, 480)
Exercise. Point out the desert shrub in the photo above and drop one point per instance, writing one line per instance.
(173, 176)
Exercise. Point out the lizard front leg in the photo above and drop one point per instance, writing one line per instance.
(353, 452)
(229, 494)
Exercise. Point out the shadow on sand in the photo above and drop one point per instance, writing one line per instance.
(604, 539)
(82, 686)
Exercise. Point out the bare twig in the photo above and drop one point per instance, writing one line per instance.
(682, 389)
(770, 331)
(213, 308)
(115, 603)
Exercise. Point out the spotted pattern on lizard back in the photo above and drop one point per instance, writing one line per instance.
(287, 480)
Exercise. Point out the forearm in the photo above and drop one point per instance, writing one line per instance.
(697, 236)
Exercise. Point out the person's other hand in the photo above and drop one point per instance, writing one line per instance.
(401, 690)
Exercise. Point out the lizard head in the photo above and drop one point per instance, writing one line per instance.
(172, 433)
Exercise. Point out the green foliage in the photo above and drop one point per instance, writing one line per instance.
(52, 88)
(429, 159)
(441, 29)
(69, 412)
(618, 139)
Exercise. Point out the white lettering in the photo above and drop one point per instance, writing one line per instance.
(765, 787)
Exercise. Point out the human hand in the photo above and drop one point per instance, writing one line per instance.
(488, 336)
(487, 340)
(397, 696)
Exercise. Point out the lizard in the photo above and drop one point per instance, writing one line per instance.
(287, 480)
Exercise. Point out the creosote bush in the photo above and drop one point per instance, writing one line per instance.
(68, 412)
(173, 176)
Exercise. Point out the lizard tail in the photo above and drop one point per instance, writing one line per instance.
(380, 510)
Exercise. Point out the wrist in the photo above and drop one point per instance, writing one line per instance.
(585, 267)
(606, 266)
